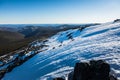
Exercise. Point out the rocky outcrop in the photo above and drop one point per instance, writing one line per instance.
(117, 20)
(94, 70)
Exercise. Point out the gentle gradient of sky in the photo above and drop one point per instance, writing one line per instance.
(58, 11)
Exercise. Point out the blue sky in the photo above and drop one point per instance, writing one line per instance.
(58, 11)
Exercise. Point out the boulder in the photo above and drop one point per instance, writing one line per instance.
(81, 71)
(99, 70)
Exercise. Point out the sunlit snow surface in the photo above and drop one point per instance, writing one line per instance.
(95, 42)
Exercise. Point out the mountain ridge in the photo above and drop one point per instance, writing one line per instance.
(66, 48)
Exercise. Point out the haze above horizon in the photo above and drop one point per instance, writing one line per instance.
(58, 11)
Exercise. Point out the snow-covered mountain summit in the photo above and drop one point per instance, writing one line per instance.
(66, 48)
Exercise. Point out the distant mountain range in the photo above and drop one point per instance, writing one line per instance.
(19, 35)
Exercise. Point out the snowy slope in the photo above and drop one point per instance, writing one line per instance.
(68, 47)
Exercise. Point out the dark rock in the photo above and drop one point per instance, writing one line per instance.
(117, 20)
(10, 68)
(45, 41)
(2, 73)
(60, 45)
(59, 78)
(112, 77)
(53, 48)
(81, 71)
(99, 70)
(70, 75)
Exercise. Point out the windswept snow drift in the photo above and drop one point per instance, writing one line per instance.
(68, 47)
